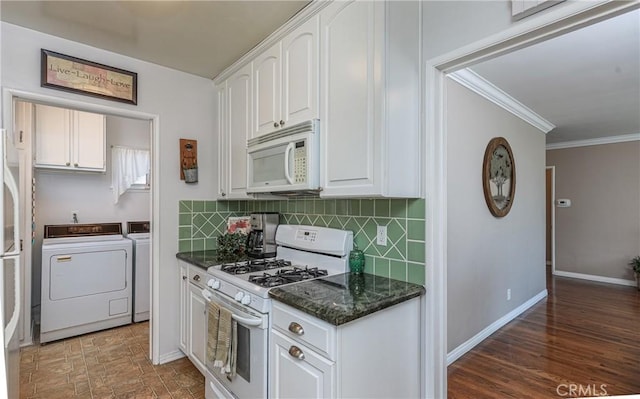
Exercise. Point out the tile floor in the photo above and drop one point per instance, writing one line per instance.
(107, 364)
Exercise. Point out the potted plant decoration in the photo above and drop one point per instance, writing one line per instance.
(635, 266)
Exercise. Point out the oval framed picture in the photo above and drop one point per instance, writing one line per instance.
(499, 176)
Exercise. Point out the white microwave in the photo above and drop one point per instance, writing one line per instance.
(286, 161)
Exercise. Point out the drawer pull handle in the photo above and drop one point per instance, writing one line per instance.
(196, 277)
(296, 328)
(64, 258)
(296, 352)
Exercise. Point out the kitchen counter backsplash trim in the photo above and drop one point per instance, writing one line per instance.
(201, 222)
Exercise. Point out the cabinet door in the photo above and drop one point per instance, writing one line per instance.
(267, 91)
(89, 140)
(300, 73)
(197, 327)
(349, 128)
(238, 130)
(220, 134)
(184, 308)
(310, 377)
(53, 136)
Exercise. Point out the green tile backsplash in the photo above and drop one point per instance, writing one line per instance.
(403, 258)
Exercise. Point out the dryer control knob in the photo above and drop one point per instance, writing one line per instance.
(213, 283)
(239, 296)
(246, 300)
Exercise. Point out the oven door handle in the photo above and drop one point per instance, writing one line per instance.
(247, 321)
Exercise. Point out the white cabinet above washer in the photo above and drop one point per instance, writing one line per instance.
(69, 140)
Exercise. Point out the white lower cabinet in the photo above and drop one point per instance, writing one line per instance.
(298, 371)
(376, 356)
(198, 322)
(193, 315)
(184, 306)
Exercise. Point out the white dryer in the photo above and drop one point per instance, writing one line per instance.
(138, 233)
(86, 279)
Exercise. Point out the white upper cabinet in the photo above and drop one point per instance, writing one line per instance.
(68, 139)
(285, 80)
(234, 119)
(267, 72)
(370, 99)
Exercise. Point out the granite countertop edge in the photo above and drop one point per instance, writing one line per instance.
(202, 259)
(334, 314)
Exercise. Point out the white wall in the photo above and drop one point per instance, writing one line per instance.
(183, 104)
(488, 255)
(59, 193)
(600, 233)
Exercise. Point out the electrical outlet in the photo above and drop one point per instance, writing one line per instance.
(382, 236)
(508, 294)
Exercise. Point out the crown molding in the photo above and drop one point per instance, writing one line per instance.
(488, 90)
(598, 141)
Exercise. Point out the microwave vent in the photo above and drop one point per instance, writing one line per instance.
(310, 126)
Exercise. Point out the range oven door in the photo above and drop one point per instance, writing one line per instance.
(250, 380)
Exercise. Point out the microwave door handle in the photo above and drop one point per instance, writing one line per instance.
(286, 162)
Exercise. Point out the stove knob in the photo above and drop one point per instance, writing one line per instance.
(239, 296)
(246, 299)
(213, 283)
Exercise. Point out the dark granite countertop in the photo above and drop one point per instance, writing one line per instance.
(345, 297)
(204, 259)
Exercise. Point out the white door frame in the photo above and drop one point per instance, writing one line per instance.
(9, 94)
(553, 22)
(553, 217)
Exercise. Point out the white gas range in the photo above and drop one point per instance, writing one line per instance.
(303, 252)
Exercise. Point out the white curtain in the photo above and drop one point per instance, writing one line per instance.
(127, 166)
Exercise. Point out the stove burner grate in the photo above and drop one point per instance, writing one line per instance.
(285, 276)
(255, 265)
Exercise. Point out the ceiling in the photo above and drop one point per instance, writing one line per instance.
(586, 83)
(198, 37)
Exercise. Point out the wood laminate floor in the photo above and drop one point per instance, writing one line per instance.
(106, 364)
(583, 340)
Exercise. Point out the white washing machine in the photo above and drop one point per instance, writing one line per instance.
(86, 279)
(138, 233)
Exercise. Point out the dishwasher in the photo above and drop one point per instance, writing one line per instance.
(86, 279)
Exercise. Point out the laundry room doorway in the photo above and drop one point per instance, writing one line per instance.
(75, 161)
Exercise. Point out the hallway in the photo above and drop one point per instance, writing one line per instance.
(583, 340)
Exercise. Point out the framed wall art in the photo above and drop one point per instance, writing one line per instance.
(63, 72)
(499, 176)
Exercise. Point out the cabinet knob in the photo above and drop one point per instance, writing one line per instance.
(184, 277)
(296, 352)
(281, 123)
(275, 124)
(75, 164)
(224, 194)
(196, 277)
(296, 328)
(68, 164)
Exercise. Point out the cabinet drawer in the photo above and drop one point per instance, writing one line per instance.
(305, 328)
(197, 276)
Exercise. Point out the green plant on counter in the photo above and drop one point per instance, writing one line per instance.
(232, 247)
(635, 264)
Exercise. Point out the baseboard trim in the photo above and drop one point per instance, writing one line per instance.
(171, 356)
(593, 277)
(493, 327)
